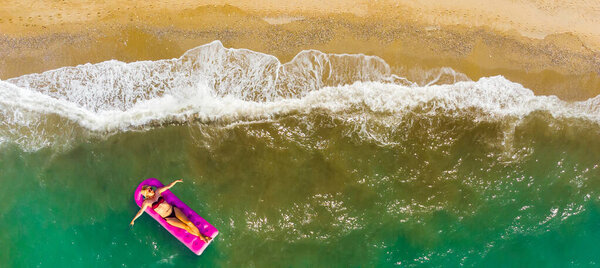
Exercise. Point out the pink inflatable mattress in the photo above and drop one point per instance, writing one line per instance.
(194, 243)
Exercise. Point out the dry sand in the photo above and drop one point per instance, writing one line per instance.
(552, 47)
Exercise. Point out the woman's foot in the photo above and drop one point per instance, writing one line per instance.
(199, 235)
(205, 238)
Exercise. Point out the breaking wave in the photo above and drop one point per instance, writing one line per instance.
(212, 83)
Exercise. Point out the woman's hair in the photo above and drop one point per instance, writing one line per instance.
(144, 188)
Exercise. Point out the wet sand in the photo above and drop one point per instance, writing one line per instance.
(550, 47)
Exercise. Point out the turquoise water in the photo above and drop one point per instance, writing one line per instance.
(357, 178)
(280, 201)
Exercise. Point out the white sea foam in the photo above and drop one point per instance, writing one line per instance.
(212, 83)
(241, 73)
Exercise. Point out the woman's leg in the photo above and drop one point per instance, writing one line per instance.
(179, 214)
(177, 223)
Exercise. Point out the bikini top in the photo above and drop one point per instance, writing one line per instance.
(158, 202)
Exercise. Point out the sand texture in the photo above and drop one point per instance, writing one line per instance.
(551, 47)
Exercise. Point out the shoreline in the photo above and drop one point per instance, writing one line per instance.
(561, 64)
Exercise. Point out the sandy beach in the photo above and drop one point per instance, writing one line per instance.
(550, 47)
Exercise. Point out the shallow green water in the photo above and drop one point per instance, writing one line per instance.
(310, 190)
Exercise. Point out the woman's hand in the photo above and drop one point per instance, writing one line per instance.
(144, 206)
(162, 189)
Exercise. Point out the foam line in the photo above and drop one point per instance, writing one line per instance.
(212, 83)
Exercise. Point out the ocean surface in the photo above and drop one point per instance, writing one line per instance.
(329, 160)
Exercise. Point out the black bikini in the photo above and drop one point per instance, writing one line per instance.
(158, 202)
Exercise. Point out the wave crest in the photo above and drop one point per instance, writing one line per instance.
(212, 83)
(240, 73)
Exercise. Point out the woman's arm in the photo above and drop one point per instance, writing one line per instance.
(144, 206)
(162, 189)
